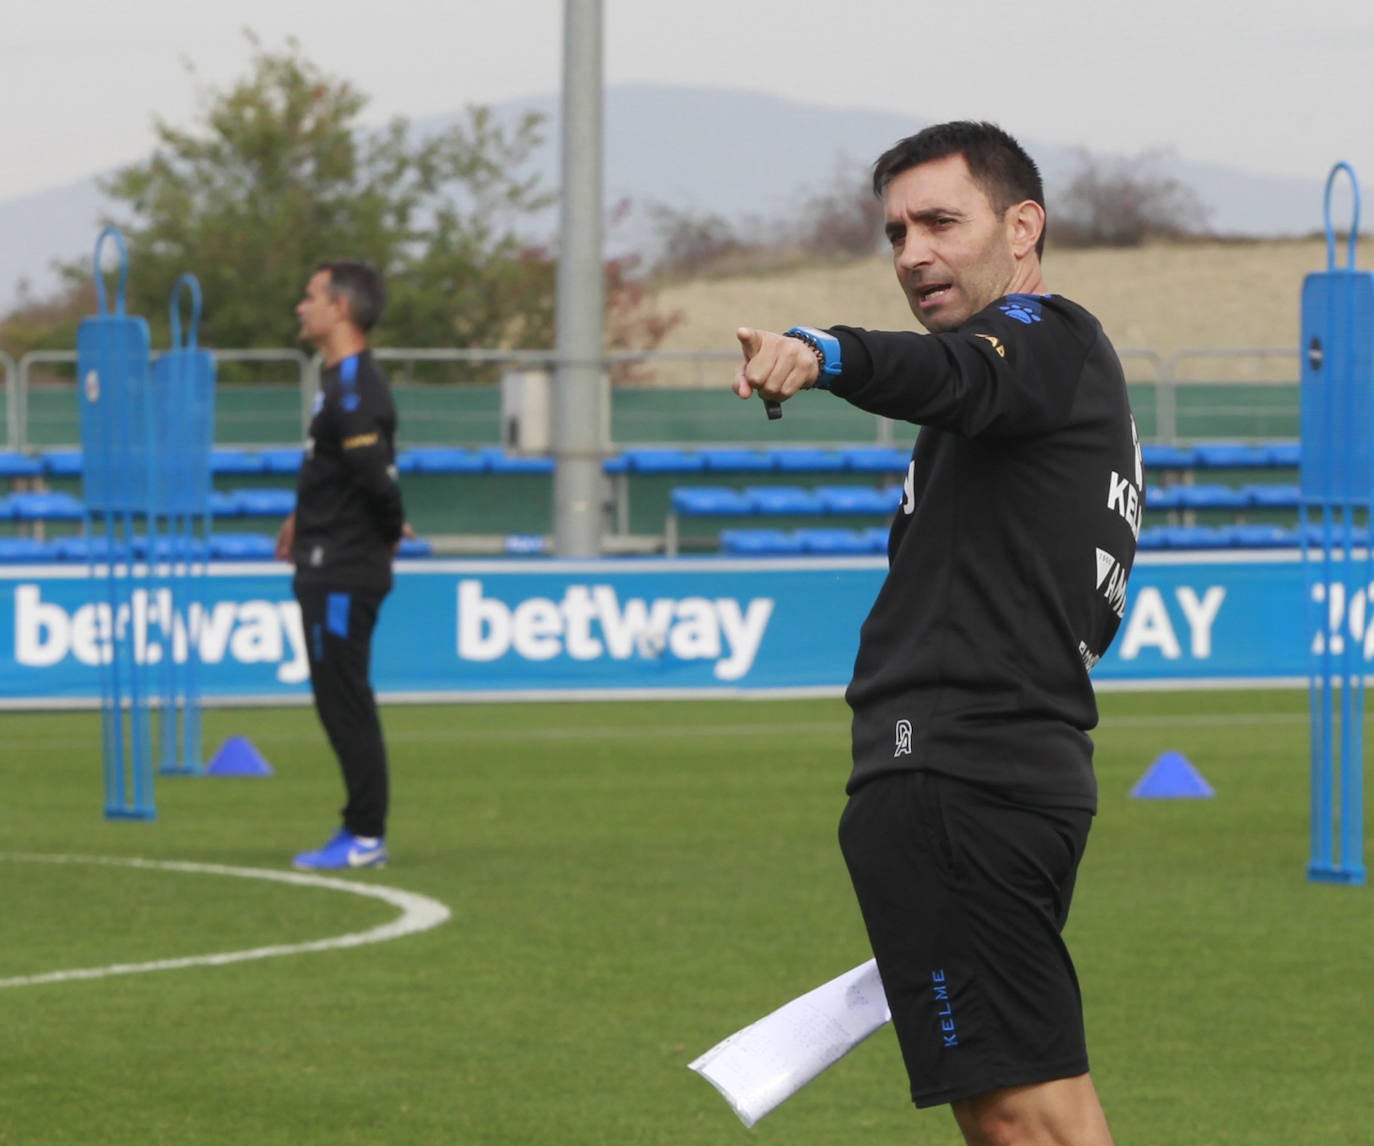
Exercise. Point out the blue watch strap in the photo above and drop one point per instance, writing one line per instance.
(827, 348)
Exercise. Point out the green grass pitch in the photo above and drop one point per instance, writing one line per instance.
(630, 883)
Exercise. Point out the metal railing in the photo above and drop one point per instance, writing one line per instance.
(11, 397)
(1247, 392)
(1273, 417)
(62, 429)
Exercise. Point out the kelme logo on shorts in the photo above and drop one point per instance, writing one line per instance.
(944, 1009)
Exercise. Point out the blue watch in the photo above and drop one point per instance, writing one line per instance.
(827, 348)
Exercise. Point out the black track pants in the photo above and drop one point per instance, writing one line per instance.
(338, 627)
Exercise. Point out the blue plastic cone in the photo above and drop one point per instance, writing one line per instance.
(238, 757)
(1172, 777)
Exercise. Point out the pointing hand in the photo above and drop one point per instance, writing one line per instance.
(774, 366)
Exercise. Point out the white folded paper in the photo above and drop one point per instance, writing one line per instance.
(762, 1065)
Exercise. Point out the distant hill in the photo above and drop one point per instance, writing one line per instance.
(38, 229)
(736, 154)
(747, 154)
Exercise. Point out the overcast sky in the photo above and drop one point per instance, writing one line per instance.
(1280, 87)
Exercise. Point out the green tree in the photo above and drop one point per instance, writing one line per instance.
(49, 322)
(277, 174)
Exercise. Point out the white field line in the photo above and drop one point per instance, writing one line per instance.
(418, 913)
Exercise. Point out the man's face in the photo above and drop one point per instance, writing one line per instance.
(951, 249)
(320, 313)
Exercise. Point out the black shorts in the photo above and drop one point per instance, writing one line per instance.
(965, 895)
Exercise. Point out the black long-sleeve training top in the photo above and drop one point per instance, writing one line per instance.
(1009, 555)
(349, 512)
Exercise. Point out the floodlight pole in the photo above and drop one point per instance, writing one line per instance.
(578, 378)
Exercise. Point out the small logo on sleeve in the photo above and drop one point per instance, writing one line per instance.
(1023, 308)
(903, 739)
(994, 343)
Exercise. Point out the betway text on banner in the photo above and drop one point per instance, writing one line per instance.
(508, 629)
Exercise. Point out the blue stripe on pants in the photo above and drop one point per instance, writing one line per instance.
(336, 614)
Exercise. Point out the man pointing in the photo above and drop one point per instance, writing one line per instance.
(972, 787)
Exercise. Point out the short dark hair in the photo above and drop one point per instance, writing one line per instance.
(998, 164)
(361, 285)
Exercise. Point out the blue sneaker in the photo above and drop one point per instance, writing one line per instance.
(343, 852)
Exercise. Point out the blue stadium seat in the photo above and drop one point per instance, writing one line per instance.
(1157, 456)
(759, 542)
(1230, 455)
(738, 461)
(1273, 496)
(847, 542)
(1194, 537)
(441, 460)
(234, 461)
(1284, 455)
(706, 501)
(497, 461)
(263, 502)
(26, 551)
(62, 462)
(615, 465)
(1153, 537)
(32, 505)
(224, 504)
(525, 544)
(799, 459)
(877, 536)
(859, 499)
(1261, 536)
(414, 547)
(241, 547)
(281, 459)
(782, 499)
(1208, 497)
(6, 510)
(876, 459)
(13, 465)
(663, 460)
(1164, 497)
(179, 548)
(83, 548)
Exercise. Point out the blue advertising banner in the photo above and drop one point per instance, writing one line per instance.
(528, 629)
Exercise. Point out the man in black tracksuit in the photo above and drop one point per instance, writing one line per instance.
(342, 536)
(972, 788)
